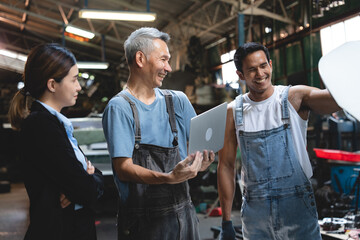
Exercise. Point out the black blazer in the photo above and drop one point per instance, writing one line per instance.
(51, 168)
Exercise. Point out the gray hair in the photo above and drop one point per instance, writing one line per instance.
(142, 40)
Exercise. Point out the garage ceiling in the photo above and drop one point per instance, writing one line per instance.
(25, 23)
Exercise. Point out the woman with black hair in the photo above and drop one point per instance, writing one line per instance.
(62, 185)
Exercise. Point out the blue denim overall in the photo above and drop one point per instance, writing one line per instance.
(278, 201)
(162, 211)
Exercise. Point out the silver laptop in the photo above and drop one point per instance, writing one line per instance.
(207, 130)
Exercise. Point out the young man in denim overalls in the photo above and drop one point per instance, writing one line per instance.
(147, 131)
(269, 124)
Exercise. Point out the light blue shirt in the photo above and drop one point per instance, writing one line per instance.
(69, 131)
(119, 126)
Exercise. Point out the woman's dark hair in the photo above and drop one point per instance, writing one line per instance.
(245, 50)
(45, 61)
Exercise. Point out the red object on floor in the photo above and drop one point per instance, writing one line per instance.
(97, 223)
(216, 212)
(337, 155)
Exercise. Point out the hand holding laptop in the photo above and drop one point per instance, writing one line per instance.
(207, 130)
(186, 169)
(208, 158)
(190, 166)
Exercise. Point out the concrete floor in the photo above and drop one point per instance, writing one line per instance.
(14, 217)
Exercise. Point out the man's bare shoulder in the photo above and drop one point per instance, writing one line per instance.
(299, 90)
(296, 96)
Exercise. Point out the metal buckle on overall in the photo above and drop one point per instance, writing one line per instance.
(137, 142)
(175, 141)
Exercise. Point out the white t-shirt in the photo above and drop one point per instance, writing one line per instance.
(266, 115)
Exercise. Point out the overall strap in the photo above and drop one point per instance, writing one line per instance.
(136, 119)
(285, 114)
(171, 111)
(239, 110)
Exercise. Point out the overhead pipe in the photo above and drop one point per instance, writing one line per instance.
(63, 35)
(241, 29)
(103, 47)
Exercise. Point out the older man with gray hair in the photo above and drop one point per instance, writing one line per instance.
(147, 131)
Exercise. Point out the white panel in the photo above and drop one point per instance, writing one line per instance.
(339, 72)
(326, 40)
(352, 29)
(338, 35)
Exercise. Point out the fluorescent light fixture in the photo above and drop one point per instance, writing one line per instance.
(13, 55)
(79, 32)
(92, 65)
(117, 15)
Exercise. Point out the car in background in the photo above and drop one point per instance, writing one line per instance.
(89, 133)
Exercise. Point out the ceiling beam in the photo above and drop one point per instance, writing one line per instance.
(54, 21)
(63, 14)
(283, 8)
(248, 9)
(217, 25)
(184, 16)
(262, 12)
